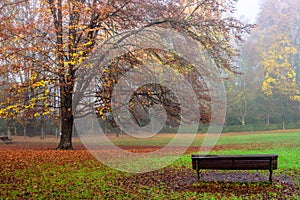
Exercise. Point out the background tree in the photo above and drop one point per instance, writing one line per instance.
(267, 92)
(280, 77)
(278, 52)
(243, 88)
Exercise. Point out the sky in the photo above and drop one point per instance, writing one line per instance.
(247, 10)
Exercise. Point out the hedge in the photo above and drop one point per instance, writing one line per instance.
(240, 128)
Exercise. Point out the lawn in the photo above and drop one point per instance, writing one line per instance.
(31, 169)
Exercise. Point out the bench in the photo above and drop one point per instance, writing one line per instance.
(5, 139)
(235, 162)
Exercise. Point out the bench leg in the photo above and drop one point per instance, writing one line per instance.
(198, 174)
(270, 176)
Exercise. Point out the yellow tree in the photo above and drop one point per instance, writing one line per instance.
(277, 41)
(280, 76)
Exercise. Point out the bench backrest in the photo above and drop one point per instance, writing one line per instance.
(232, 162)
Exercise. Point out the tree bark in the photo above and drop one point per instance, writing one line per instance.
(268, 118)
(56, 132)
(25, 129)
(42, 129)
(66, 80)
(8, 131)
(67, 117)
(15, 128)
(268, 111)
(283, 121)
(283, 112)
(243, 121)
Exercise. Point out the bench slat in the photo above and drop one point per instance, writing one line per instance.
(241, 157)
(5, 139)
(235, 162)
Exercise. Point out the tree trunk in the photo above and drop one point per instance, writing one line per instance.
(283, 112)
(67, 118)
(298, 69)
(243, 121)
(15, 129)
(66, 79)
(42, 129)
(283, 117)
(8, 132)
(283, 122)
(268, 118)
(56, 132)
(66, 135)
(25, 129)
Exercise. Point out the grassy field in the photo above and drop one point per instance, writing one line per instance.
(31, 169)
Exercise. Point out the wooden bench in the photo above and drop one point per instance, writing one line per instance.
(5, 139)
(235, 162)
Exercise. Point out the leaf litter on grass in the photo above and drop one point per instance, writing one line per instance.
(41, 172)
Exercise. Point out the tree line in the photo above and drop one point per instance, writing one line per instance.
(268, 89)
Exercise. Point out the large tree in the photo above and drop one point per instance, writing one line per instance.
(62, 33)
(278, 47)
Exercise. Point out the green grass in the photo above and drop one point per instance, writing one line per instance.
(274, 138)
(225, 138)
(288, 158)
(62, 182)
(285, 144)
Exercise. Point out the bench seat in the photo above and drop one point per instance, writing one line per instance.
(5, 139)
(235, 162)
